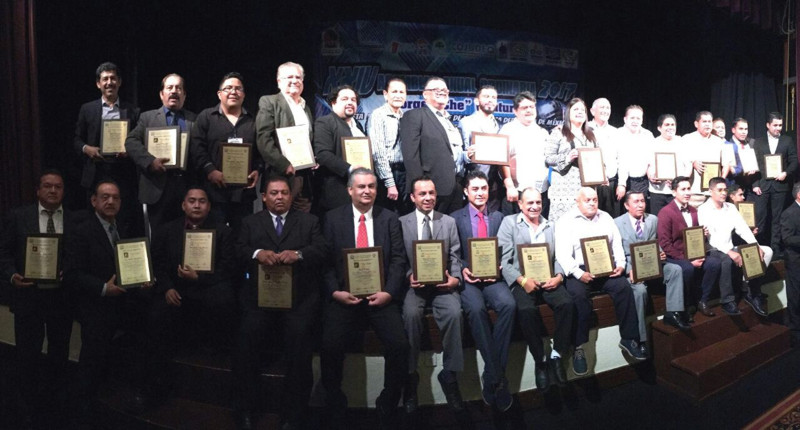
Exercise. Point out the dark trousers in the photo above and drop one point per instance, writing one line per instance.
(769, 206)
(451, 202)
(530, 319)
(793, 297)
(340, 322)
(710, 271)
(491, 342)
(168, 206)
(232, 213)
(658, 201)
(621, 293)
(402, 205)
(257, 333)
(607, 197)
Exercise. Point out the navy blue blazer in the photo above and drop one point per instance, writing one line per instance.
(464, 225)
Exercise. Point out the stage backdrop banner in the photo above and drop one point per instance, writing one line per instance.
(366, 54)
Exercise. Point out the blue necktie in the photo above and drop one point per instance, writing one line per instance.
(279, 225)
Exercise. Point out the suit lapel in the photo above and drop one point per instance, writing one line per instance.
(411, 226)
(288, 224)
(438, 126)
(269, 227)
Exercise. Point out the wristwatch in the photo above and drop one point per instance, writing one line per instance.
(299, 255)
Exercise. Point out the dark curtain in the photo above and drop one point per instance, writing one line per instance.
(19, 105)
(747, 95)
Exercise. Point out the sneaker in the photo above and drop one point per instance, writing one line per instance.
(579, 365)
(730, 308)
(631, 347)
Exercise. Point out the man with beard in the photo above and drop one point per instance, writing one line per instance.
(604, 133)
(484, 121)
(705, 147)
(384, 126)
(740, 143)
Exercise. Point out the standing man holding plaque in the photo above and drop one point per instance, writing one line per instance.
(161, 189)
(476, 221)
(584, 221)
(279, 236)
(529, 289)
(790, 235)
(635, 148)
(287, 108)
(40, 308)
(484, 121)
(705, 147)
(426, 224)
(743, 173)
(384, 128)
(637, 226)
(673, 219)
(226, 123)
(361, 224)
(330, 129)
(605, 134)
(772, 192)
(110, 162)
(722, 219)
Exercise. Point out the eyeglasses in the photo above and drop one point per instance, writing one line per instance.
(230, 89)
(444, 91)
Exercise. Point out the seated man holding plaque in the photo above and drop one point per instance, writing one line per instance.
(222, 148)
(678, 221)
(368, 283)
(286, 246)
(336, 163)
(476, 222)
(722, 219)
(635, 227)
(528, 243)
(32, 263)
(92, 268)
(589, 249)
(434, 275)
(162, 179)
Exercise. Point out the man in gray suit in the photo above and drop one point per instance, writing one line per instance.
(638, 226)
(426, 224)
(160, 189)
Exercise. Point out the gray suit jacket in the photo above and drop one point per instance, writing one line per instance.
(444, 228)
(273, 113)
(151, 184)
(514, 231)
(628, 234)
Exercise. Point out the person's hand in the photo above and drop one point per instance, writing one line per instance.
(122, 155)
(552, 283)
(699, 166)
(381, 298)
(93, 152)
(288, 257)
(620, 192)
(172, 297)
(662, 255)
(752, 172)
(186, 272)
(737, 259)
(706, 233)
(112, 289)
(761, 253)
(471, 152)
(290, 170)
(754, 230)
(572, 155)
(217, 178)
(391, 193)
(345, 298)
(757, 190)
(512, 195)
(148, 285)
(158, 165)
(618, 271)
(413, 283)
(781, 177)
(467, 274)
(267, 257)
(531, 285)
(450, 283)
(698, 263)
(252, 178)
(19, 281)
(586, 277)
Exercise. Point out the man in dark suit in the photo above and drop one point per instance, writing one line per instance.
(361, 224)
(432, 146)
(329, 131)
(39, 307)
(673, 219)
(285, 109)
(772, 192)
(161, 189)
(104, 306)
(278, 236)
(86, 144)
(790, 235)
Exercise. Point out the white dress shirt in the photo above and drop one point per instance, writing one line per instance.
(635, 152)
(721, 223)
(420, 218)
(707, 150)
(604, 136)
(572, 227)
(367, 222)
(526, 145)
(58, 219)
(298, 110)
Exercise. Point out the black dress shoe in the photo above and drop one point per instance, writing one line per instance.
(542, 376)
(451, 392)
(688, 316)
(755, 303)
(410, 398)
(730, 308)
(387, 413)
(703, 308)
(558, 371)
(244, 420)
(675, 319)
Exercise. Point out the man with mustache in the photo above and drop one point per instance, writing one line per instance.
(484, 121)
(605, 132)
(384, 126)
(159, 188)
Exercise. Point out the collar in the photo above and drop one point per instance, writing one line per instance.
(681, 208)
(188, 225)
(220, 112)
(435, 112)
(390, 112)
(167, 110)
(59, 209)
(357, 214)
(291, 101)
(420, 216)
(633, 220)
(103, 102)
(522, 219)
(473, 212)
(103, 222)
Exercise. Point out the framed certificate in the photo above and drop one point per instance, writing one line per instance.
(357, 151)
(112, 138)
(666, 166)
(590, 164)
(484, 258)
(752, 264)
(534, 261)
(490, 148)
(363, 270)
(184, 148)
(597, 255)
(42, 257)
(711, 171)
(164, 142)
(275, 287)
(295, 145)
(430, 261)
(694, 242)
(646, 261)
(773, 164)
(198, 250)
(235, 160)
(748, 158)
(134, 265)
(748, 212)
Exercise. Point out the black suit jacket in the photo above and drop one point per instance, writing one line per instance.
(426, 150)
(464, 226)
(273, 113)
(19, 223)
(790, 234)
(89, 261)
(87, 132)
(340, 234)
(333, 171)
(301, 232)
(786, 148)
(167, 252)
(151, 184)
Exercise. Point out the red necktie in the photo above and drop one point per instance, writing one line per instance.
(362, 241)
(482, 231)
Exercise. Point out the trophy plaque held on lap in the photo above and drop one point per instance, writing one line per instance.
(534, 261)
(597, 255)
(430, 261)
(363, 271)
(484, 258)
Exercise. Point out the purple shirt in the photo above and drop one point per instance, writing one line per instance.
(473, 218)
